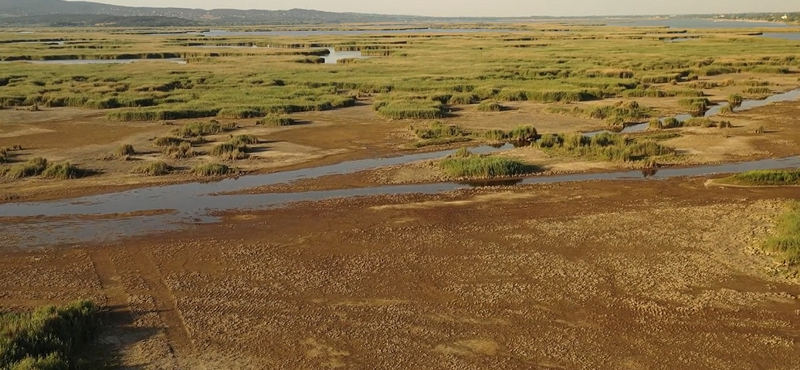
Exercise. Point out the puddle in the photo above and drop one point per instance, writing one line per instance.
(712, 111)
(334, 56)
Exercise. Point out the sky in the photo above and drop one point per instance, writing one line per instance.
(490, 8)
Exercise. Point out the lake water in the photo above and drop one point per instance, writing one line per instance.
(783, 36)
(694, 23)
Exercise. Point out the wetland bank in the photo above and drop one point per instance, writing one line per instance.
(263, 207)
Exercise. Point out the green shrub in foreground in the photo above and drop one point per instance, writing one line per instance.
(48, 338)
(230, 151)
(64, 171)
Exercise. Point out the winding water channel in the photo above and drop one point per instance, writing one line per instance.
(65, 221)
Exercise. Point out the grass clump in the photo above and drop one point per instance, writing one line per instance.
(125, 150)
(153, 169)
(230, 151)
(197, 129)
(463, 99)
(758, 91)
(785, 244)
(490, 106)
(49, 337)
(410, 109)
(181, 151)
(213, 170)
(698, 122)
(766, 177)
(735, 100)
(605, 146)
(466, 164)
(695, 105)
(276, 120)
(33, 167)
(64, 171)
(167, 141)
(244, 140)
(4, 156)
(615, 115)
(437, 133)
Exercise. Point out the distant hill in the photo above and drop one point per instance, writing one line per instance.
(10, 9)
(95, 20)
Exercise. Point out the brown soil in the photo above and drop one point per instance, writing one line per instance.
(623, 275)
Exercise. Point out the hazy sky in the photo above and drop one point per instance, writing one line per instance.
(489, 7)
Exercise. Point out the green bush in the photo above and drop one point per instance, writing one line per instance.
(604, 146)
(244, 140)
(230, 151)
(695, 105)
(276, 120)
(437, 130)
(490, 106)
(48, 338)
(655, 124)
(698, 122)
(153, 169)
(735, 100)
(213, 170)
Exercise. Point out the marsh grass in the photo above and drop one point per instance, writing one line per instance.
(125, 150)
(183, 150)
(64, 171)
(4, 156)
(153, 169)
(695, 105)
(465, 164)
(410, 109)
(167, 141)
(49, 337)
(276, 120)
(785, 244)
(765, 177)
(230, 151)
(244, 140)
(605, 146)
(490, 106)
(198, 129)
(213, 170)
(617, 114)
(31, 168)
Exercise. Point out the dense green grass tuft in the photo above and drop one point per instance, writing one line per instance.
(197, 129)
(181, 151)
(465, 164)
(410, 109)
(64, 171)
(33, 167)
(785, 244)
(230, 151)
(605, 146)
(766, 177)
(49, 338)
(213, 170)
(490, 106)
(276, 120)
(153, 169)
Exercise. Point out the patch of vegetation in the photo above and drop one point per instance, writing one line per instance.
(765, 177)
(605, 146)
(153, 169)
(519, 133)
(125, 150)
(244, 140)
(64, 171)
(4, 156)
(463, 99)
(735, 100)
(167, 141)
(31, 168)
(490, 106)
(785, 244)
(181, 151)
(48, 338)
(695, 105)
(758, 91)
(213, 170)
(276, 120)
(465, 164)
(617, 114)
(410, 109)
(230, 151)
(198, 129)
